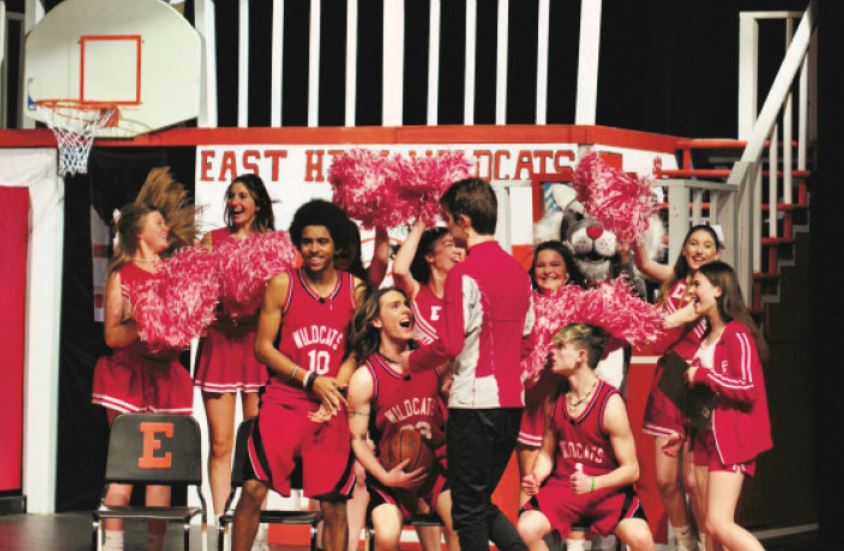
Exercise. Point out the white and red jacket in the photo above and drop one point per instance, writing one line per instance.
(740, 421)
(486, 324)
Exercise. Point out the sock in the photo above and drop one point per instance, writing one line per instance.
(575, 545)
(155, 542)
(113, 540)
(702, 538)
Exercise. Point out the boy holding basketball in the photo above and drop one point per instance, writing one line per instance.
(302, 340)
(485, 325)
(390, 404)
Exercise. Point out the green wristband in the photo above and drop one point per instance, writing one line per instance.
(593, 484)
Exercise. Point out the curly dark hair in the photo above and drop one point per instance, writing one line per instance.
(319, 212)
(575, 277)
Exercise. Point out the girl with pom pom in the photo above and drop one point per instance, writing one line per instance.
(587, 465)
(135, 379)
(226, 363)
(551, 270)
(728, 364)
(663, 419)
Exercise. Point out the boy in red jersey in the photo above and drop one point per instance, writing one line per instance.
(302, 340)
(589, 446)
(384, 400)
(486, 326)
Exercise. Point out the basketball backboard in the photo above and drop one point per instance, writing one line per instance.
(142, 56)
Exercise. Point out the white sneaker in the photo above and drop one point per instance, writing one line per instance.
(260, 543)
(686, 546)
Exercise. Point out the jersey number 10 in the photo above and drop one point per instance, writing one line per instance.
(319, 361)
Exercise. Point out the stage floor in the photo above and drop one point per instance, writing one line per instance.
(72, 532)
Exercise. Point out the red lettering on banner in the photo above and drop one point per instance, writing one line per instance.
(313, 165)
(524, 163)
(496, 170)
(250, 161)
(149, 460)
(205, 158)
(543, 156)
(228, 167)
(275, 155)
(560, 161)
(479, 155)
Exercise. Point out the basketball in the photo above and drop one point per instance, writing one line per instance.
(407, 444)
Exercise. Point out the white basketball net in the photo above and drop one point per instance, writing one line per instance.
(75, 124)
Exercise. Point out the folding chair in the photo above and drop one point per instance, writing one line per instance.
(430, 519)
(270, 517)
(153, 449)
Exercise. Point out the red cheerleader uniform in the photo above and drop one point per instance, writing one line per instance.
(662, 417)
(133, 379)
(226, 361)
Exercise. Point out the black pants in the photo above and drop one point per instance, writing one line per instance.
(480, 443)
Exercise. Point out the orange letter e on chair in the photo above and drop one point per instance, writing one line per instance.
(151, 443)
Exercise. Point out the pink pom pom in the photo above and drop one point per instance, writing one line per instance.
(424, 179)
(623, 202)
(245, 266)
(364, 184)
(179, 303)
(613, 306)
(552, 312)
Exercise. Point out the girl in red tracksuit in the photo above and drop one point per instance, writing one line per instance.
(739, 428)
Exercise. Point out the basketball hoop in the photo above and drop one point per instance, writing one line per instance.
(75, 124)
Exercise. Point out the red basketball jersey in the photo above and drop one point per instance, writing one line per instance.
(426, 314)
(582, 439)
(313, 332)
(402, 401)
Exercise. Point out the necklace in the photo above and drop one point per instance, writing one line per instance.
(154, 263)
(389, 359)
(574, 403)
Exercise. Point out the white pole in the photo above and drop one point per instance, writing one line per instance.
(434, 63)
(351, 60)
(313, 65)
(243, 65)
(802, 114)
(469, 76)
(501, 63)
(748, 69)
(204, 22)
(393, 67)
(277, 57)
(773, 181)
(587, 64)
(542, 62)
(787, 123)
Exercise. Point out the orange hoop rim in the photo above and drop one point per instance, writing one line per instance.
(82, 106)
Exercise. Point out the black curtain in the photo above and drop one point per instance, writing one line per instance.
(114, 178)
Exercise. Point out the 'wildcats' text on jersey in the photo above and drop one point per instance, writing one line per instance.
(318, 334)
(410, 407)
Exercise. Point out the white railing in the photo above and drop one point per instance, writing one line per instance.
(393, 62)
(758, 130)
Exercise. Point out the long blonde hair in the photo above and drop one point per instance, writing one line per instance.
(161, 193)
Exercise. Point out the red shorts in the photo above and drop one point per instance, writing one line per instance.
(602, 509)
(404, 500)
(662, 417)
(227, 362)
(705, 454)
(284, 437)
(130, 382)
(532, 428)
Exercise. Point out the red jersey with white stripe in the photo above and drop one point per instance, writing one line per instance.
(313, 333)
(582, 439)
(404, 401)
(426, 315)
(685, 339)
(740, 421)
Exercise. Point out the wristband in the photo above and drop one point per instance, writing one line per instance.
(310, 384)
(305, 380)
(293, 373)
(593, 485)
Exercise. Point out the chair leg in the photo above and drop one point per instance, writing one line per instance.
(204, 532)
(221, 536)
(313, 536)
(96, 543)
(186, 530)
